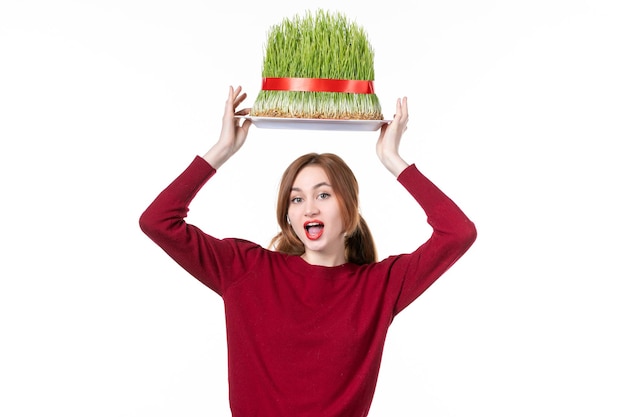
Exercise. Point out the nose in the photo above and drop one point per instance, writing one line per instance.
(311, 208)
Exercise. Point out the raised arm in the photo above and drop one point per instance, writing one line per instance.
(164, 221)
(453, 232)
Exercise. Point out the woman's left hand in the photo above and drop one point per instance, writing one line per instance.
(388, 145)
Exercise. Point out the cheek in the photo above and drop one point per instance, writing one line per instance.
(293, 211)
(339, 219)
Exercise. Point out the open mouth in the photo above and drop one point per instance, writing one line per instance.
(314, 229)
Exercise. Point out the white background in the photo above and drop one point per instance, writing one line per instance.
(517, 112)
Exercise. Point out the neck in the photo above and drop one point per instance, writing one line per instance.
(321, 259)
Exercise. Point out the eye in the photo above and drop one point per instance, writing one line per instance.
(324, 196)
(296, 200)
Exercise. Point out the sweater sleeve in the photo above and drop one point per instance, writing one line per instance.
(212, 261)
(453, 234)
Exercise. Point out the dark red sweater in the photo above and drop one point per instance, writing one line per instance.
(305, 340)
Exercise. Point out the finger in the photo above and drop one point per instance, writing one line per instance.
(246, 125)
(405, 108)
(229, 101)
(401, 108)
(237, 92)
(239, 99)
(243, 112)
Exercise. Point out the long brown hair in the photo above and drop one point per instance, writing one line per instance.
(359, 243)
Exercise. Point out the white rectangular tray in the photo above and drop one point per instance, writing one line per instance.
(315, 124)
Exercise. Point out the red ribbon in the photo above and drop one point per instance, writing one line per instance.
(319, 84)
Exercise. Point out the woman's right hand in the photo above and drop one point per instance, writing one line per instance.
(233, 133)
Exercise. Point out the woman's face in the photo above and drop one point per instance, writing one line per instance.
(315, 217)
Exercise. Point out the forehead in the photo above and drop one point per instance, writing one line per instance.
(310, 176)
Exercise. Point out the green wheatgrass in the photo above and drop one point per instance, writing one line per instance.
(318, 45)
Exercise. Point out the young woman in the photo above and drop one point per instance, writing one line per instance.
(306, 320)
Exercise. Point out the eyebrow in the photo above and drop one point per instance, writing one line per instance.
(316, 186)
